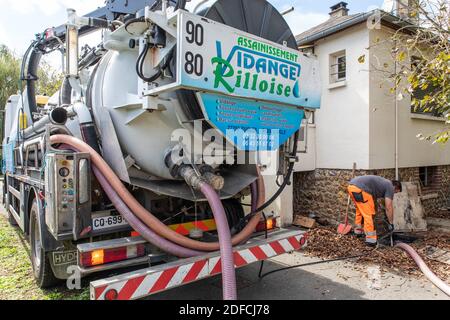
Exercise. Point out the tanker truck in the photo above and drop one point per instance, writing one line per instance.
(148, 162)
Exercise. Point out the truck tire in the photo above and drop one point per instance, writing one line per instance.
(42, 270)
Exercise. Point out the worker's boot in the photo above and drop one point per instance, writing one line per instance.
(358, 232)
(371, 241)
(371, 244)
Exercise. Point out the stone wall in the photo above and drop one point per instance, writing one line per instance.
(323, 191)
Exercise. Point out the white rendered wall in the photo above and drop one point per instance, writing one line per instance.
(412, 151)
(342, 133)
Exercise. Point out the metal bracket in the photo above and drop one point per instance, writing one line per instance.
(167, 21)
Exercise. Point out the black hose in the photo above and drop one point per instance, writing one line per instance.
(33, 57)
(285, 183)
(140, 65)
(261, 276)
(141, 60)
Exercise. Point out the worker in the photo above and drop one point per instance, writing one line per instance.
(365, 191)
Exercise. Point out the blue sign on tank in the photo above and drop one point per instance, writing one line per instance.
(252, 125)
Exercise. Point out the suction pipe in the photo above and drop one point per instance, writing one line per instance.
(198, 182)
(151, 221)
(137, 225)
(134, 222)
(225, 241)
(226, 247)
(444, 287)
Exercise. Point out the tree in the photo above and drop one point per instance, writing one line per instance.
(49, 79)
(9, 75)
(9, 80)
(423, 56)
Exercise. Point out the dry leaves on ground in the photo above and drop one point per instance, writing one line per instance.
(326, 243)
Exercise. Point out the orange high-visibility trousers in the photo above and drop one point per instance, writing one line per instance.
(365, 210)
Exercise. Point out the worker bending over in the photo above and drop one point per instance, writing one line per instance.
(365, 191)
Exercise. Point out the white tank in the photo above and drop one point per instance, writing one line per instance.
(134, 140)
(143, 135)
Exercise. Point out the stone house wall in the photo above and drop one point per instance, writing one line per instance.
(323, 192)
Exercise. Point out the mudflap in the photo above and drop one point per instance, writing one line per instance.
(64, 262)
(61, 255)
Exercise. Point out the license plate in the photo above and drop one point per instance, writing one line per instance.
(108, 222)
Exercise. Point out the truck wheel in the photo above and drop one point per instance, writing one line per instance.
(42, 270)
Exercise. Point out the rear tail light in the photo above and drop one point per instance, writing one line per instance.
(104, 256)
(270, 224)
(135, 234)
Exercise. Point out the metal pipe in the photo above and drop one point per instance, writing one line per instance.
(287, 11)
(396, 155)
(57, 116)
(444, 287)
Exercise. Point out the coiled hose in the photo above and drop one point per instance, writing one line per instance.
(143, 214)
(444, 287)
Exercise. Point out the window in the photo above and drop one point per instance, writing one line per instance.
(338, 67)
(427, 176)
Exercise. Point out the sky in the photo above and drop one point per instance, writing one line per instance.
(20, 20)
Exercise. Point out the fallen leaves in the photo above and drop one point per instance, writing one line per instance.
(327, 244)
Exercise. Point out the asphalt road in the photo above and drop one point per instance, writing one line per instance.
(333, 281)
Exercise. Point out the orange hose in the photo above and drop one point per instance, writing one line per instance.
(143, 214)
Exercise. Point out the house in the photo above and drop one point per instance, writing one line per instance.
(361, 121)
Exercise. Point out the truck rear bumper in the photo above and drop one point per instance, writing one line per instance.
(148, 281)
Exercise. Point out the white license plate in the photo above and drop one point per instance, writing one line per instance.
(108, 222)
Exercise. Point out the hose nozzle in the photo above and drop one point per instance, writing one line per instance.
(190, 176)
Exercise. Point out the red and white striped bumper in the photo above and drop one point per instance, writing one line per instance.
(145, 282)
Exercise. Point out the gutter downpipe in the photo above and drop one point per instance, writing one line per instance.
(396, 155)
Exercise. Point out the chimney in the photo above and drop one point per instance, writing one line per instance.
(339, 10)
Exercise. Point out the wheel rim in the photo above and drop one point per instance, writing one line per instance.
(37, 247)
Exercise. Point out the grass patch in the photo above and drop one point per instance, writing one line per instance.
(16, 275)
